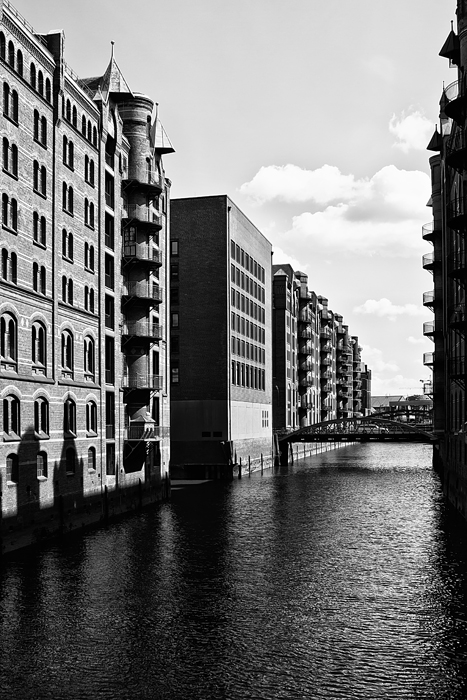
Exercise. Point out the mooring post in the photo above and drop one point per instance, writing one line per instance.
(249, 466)
(261, 463)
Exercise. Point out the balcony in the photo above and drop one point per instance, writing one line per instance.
(430, 261)
(453, 101)
(325, 332)
(152, 382)
(305, 348)
(457, 367)
(428, 358)
(456, 213)
(304, 403)
(148, 180)
(326, 388)
(326, 361)
(429, 232)
(457, 317)
(306, 366)
(143, 215)
(142, 253)
(456, 149)
(144, 290)
(430, 328)
(306, 333)
(146, 431)
(327, 347)
(143, 329)
(456, 265)
(429, 299)
(357, 394)
(307, 381)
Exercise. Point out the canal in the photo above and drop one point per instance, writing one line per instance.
(341, 576)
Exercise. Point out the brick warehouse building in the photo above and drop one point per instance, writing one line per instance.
(83, 307)
(221, 339)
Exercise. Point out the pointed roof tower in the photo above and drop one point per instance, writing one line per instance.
(113, 82)
(159, 139)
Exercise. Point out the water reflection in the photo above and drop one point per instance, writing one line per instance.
(342, 576)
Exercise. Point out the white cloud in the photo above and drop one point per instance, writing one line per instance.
(380, 215)
(386, 309)
(397, 385)
(412, 130)
(373, 357)
(416, 341)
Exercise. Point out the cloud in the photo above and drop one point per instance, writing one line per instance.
(416, 341)
(397, 385)
(379, 215)
(413, 131)
(386, 309)
(373, 357)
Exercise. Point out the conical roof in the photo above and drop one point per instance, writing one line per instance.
(159, 139)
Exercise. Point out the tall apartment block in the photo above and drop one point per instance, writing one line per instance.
(221, 349)
(447, 263)
(83, 364)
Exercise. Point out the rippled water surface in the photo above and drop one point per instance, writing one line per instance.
(341, 576)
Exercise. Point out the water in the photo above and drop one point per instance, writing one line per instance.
(341, 576)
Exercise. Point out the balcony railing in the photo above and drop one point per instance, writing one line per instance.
(142, 213)
(306, 366)
(428, 358)
(431, 327)
(143, 329)
(307, 381)
(145, 381)
(326, 361)
(145, 178)
(143, 290)
(456, 148)
(143, 253)
(327, 347)
(456, 213)
(429, 261)
(306, 333)
(325, 332)
(429, 298)
(146, 431)
(305, 348)
(326, 388)
(452, 100)
(326, 374)
(429, 233)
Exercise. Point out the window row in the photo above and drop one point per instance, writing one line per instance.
(70, 113)
(10, 158)
(248, 376)
(69, 160)
(39, 179)
(40, 129)
(248, 306)
(248, 350)
(243, 326)
(13, 470)
(9, 348)
(10, 103)
(250, 264)
(9, 266)
(241, 279)
(15, 60)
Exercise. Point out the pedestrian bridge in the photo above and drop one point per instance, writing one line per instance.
(364, 429)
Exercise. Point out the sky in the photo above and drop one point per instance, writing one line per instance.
(313, 116)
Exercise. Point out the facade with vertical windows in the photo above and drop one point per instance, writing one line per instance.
(221, 344)
(82, 316)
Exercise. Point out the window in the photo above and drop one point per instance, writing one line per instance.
(67, 198)
(174, 372)
(48, 91)
(174, 271)
(174, 320)
(91, 417)
(109, 231)
(32, 75)
(40, 179)
(8, 342)
(10, 103)
(40, 83)
(174, 248)
(174, 296)
(11, 54)
(83, 125)
(68, 152)
(39, 346)
(40, 129)
(39, 229)
(11, 417)
(12, 470)
(92, 459)
(67, 244)
(2, 46)
(10, 158)
(41, 416)
(109, 414)
(109, 312)
(67, 290)
(89, 358)
(89, 299)
(89, 213)
(70, 461)
(9, 213)
(67, 354)
(109, 272)
(69, 417)
(109, 360)
(89, 257)
(89, 170)
(109, 191)
(9, 268)
(41, 464)
(19, 63)
(74, 118)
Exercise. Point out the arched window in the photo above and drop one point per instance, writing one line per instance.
(91, 300)
(94, 137)
(19, 63)
(70, 199)
(91, 417)
(44, 131)
(9, 213)
(14, 160)
(6, 153)
(8, 342)
(83, 125)
(5, 264)
(91, 251)
(40, 83)
(41, 463)
(92, 459)
(64, 288)
(91, 172)
(70, 461)
(42, 281)
(74, 117)
(35, 175)
(32, 75)
(48, 91)
(91, 214)
(70, 292)
(12, 470)
(36, 125)
(69, 417)
(68, 110)
(11, 417)
(13, 268)
(11, 54)
(89, 358)
(39, 345)
(39, 229)
(86, 298)
(67, 354)
(89, 131)
(41, 416)
(35, 276)
(2, 46)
